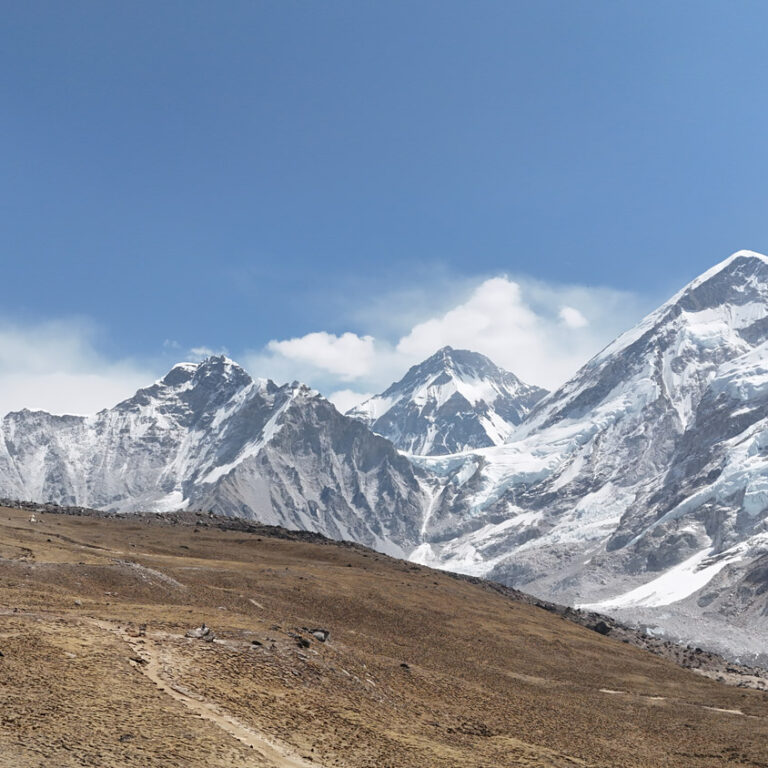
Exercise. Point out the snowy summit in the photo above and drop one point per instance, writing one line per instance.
(453, 401)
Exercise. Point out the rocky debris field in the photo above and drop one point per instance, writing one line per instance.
(322, 654)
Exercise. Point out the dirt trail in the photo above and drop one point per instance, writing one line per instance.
(613, 692)
(277, 755)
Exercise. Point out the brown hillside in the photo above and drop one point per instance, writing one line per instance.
(420, 669)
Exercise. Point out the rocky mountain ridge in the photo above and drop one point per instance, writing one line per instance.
(208, 436)
(454, 401)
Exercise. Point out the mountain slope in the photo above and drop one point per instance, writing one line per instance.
(419, 669)
(453, 401)
(643, 477)
(208, 436)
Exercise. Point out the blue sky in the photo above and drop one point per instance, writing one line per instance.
(186, 175)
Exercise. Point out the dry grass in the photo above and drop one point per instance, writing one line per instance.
(489, 681)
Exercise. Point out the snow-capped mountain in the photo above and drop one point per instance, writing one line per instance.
(641, 485)
(209, 437)
(453, 401)
(639, 488)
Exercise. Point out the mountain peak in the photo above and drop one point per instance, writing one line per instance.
(736, 290)
(222, 365)
(729, 282)
(452, 401)
(462, 362)
(743, 256)
(216, 366)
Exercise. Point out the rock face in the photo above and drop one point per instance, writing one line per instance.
(207, 436)
(643, 481)
(453, 401)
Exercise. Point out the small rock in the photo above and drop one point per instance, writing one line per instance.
(320, 634)
(199, 633)
(405, 666)
(302, 642)
(131, 631)
(78, 602)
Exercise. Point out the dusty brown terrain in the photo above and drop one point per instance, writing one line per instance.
(420, 669)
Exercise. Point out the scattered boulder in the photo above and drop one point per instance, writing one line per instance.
(405, 666)
(302, 642)
(201, 633)
(320, 634)
(601, 628)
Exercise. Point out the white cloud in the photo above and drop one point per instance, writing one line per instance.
(537, 330)
(573, 318)
(524, 327)
(494, 317)
(348, 356)
(541, 331)
(54, 366)
(344, 399)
